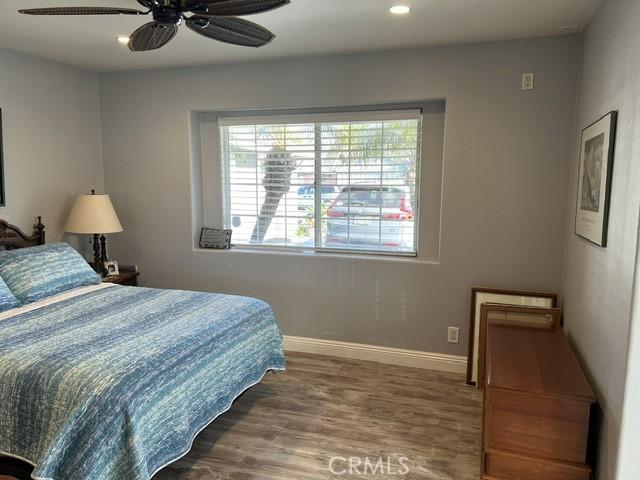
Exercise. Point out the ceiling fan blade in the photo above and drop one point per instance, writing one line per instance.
(82, 11)
(151, 36)
(241, 7)
(231, 30)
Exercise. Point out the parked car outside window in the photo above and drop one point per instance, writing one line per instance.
(371, 216)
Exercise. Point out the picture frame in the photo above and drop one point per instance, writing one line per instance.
(215, 238)
(515, 316)
(597, 151)
(3, 201)
(481, 295)
(111, 268)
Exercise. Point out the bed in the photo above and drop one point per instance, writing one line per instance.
(107, 382)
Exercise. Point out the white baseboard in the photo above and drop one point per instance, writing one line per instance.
(373, 353)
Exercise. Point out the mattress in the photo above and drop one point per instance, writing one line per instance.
(115, 383)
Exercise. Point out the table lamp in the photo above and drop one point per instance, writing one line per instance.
(94, 214)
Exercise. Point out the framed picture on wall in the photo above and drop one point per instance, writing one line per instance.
(594, 179)
(2, 194)
(480, 296)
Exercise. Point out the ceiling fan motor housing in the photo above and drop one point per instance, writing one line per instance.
(167, 15)
(171, 12)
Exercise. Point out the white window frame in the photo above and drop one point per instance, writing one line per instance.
(318, 118)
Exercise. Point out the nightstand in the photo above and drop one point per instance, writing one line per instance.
(127, 276)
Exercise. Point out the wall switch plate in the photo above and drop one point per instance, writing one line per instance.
(528, 80)
(453, 335)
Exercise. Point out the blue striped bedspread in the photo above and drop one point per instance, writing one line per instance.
(116, 383)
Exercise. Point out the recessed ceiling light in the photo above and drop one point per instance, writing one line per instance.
(569, 28)
(400, 9)
(123, 40)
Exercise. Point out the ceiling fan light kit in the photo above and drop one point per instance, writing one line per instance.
(214, 19)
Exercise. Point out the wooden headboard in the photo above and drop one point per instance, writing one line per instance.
(11, 237)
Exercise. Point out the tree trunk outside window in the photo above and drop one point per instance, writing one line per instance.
(277, 180)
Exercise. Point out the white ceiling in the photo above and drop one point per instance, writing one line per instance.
(306, 27)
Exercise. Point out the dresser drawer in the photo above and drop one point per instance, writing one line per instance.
(507, 466)
(554, 428)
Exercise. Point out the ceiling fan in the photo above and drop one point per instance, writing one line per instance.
(213, 19)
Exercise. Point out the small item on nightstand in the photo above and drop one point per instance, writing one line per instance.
(111, 268)
(127, 275)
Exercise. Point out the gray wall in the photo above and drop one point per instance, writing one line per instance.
(628, 458)
(506, 162)
(598, 282)
(52, 147)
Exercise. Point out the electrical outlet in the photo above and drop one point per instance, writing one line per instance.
(453, 335)
(528, 80)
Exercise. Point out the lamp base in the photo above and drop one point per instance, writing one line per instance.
(103, 249)
(99, 254)
(99, 269)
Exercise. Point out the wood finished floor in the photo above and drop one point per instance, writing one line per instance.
(292, 424)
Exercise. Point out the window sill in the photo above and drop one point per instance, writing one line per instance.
(316, 255)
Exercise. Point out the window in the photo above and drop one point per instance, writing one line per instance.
(339, 182)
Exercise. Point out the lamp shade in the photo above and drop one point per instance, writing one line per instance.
(92, 214)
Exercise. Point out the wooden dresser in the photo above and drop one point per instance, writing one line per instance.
(537, 407)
